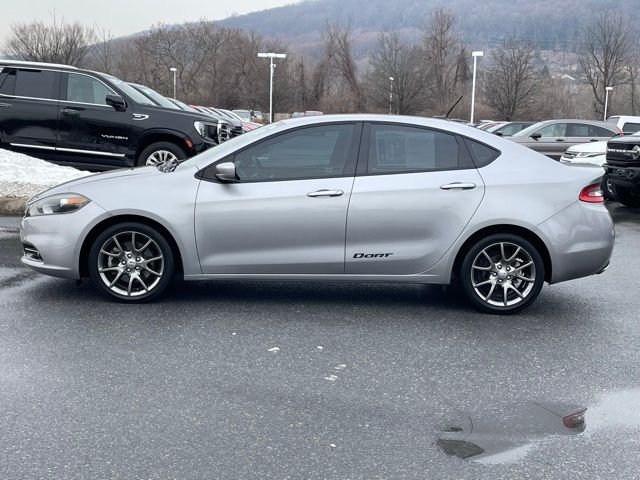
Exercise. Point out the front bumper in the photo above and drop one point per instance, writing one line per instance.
(58, 240)
(580, 240)
(623, 176)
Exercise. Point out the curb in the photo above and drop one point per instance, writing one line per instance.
(12, 205)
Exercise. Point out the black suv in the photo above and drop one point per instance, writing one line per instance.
(623, 169)
(95, 121)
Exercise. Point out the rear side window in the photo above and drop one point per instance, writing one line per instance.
(37, 84)
(482, 154)
(595, 131)
(629, 128)
(8, 81)
(85, 89)
(403, 149)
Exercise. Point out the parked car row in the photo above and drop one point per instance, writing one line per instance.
(96, 121)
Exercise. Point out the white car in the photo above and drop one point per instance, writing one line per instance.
(626, 123)
(593, 153)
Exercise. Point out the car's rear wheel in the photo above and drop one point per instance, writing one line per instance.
(628, 197)
(131, 262)
(161, 152)
(502, 274)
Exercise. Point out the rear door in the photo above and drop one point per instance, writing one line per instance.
(415, 191)
(89, 130)
(29, 110)
(579, 133)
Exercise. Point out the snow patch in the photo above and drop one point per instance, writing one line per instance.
(22, 176)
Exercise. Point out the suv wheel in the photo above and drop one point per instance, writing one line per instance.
(608, 188)
(160, 152)
(628, 197)
(131, 262)
(502, 274)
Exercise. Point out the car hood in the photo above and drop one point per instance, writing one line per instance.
(595, 147)
(71, 185)
(195, 116)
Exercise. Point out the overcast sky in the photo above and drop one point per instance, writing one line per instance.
(125, 16)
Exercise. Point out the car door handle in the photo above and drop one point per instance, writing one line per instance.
(593, 140)
(458, 186)
(72, 112)
(325, 193)
(559, 139)
(5, 105)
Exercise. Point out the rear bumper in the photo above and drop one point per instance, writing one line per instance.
(580, 240)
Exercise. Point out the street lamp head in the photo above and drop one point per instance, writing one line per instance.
(272, 55)
(173, 69)
(391, 78)
(608, 88)
(477, 53)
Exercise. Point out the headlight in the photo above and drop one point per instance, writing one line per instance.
(589, 154)
(201, 128)
(54, 204)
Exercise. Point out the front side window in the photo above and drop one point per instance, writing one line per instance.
(37, 84)
(8, 81)
(85, 89)
(314, 152)
(554, 130)
(403, 149)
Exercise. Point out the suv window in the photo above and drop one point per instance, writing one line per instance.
(314, 152)
(553, 130)
(629, 128)
(402, 149)
(37, 84)
(86, 89)
(8, 81)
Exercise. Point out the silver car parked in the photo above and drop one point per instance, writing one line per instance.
(341, 198)
(553, 137)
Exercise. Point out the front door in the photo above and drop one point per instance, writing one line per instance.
(553, 141)
(417, 194)
(89, 130)
(287, 213)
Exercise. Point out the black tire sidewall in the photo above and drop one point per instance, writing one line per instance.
(465, 273)
(169, 146)
(627, 198)
(169, 267)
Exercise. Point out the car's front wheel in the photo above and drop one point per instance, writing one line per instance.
(131, 262)
(628, 197)
(161, 152)
(502, 274)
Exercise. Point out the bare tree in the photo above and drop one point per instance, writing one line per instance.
(403, 63)
(604, 54)
(510, 82)
(102, 54)
(446, 60)
(59, 42)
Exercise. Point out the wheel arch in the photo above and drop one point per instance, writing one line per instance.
(155, 136)
(115, 220)
(505, 228)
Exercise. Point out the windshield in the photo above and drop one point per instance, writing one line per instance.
(245, 115)
(529, 130)
(184, 106)
(128, 90)
(231, 114)
(156, 97)
(230, 145)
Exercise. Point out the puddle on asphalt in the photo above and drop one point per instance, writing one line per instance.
(510, 436)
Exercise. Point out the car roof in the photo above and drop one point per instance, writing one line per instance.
(22, 63)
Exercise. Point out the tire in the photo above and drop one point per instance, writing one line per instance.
(484, 283)
(608, 189)
(628, 197)
(159, 151)
(143, 276)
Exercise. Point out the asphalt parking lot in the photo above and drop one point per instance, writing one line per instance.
(364, 377)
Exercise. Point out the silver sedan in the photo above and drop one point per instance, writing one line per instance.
(367, 198)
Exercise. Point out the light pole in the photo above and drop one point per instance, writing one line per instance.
(391, 96)
(174, 70)
(606, 101)
(272, 66)
(475, 56)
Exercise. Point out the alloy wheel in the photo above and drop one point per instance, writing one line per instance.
(160, 156)
(130, 263)
(503, 274)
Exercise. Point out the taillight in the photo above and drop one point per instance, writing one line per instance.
(592, 194)
(574, 420)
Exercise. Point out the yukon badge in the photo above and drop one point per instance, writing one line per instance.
(372, 255)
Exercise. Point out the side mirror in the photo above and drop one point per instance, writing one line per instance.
(536, 136)
(117, 102)
(226, 172)
(499, 134)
